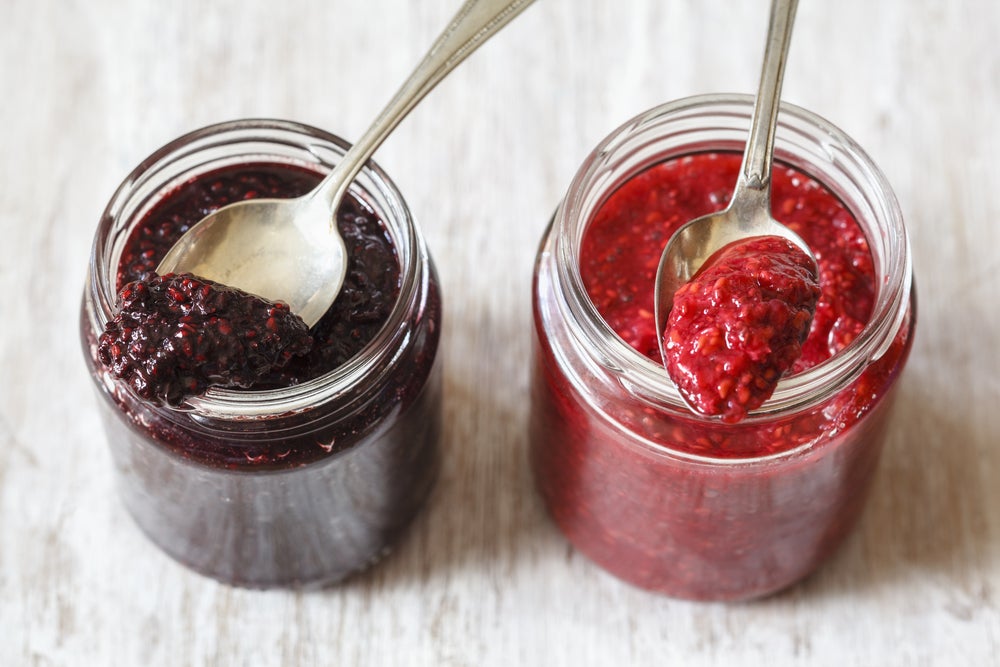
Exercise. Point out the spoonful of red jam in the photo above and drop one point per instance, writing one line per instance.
(289, 250)
(735, 290)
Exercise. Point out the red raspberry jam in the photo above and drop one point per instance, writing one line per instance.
(669, 499)
(738, 325)
(326, 443)
(623, 244)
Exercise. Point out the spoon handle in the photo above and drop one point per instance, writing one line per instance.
(475, 22)
(756, 171)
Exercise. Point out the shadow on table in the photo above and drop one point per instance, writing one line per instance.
(484, 514)
(927, 514)
(925, 519)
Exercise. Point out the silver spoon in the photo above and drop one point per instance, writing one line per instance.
(749, 211)
(290, 249)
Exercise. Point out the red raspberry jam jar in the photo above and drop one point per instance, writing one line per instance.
(659, 496)
(314, 474)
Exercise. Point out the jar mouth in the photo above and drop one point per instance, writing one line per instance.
(720, 122)
(276, 141)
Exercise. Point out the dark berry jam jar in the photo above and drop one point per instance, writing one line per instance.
(312, 477)
(685, 504)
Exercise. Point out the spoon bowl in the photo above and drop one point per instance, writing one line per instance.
(269, 248)
(749, 212)
(290, 250)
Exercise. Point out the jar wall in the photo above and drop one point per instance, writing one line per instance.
(698, 529)
(297, 526)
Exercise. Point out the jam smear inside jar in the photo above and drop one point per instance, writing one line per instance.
(696, 506)
(325, 445)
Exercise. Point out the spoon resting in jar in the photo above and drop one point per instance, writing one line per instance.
(290, 250)
(749, 212)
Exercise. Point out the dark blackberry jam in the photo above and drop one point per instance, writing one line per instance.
(307, 470)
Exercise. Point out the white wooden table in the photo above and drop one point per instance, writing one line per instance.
(90, 88)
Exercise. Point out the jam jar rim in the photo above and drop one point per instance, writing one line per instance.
(648, 381)
(373, 361)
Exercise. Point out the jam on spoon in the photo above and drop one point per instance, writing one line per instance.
(739, 325)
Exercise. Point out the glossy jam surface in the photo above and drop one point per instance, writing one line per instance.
(174, 336)
(622, 246)
(672, 501)
(365, 302)
(370, 288)
(738, 325)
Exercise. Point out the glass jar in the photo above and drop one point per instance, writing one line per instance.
(609, 429)
(297, 486)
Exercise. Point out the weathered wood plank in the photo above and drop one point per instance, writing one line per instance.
(483, 578)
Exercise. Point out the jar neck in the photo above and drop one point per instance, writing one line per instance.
(274, 141)
(719, 123)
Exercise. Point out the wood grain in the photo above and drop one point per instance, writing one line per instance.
(483, 578)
